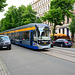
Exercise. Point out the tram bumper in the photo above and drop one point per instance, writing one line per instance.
(44, 47)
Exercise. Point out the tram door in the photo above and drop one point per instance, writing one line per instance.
(31, 38)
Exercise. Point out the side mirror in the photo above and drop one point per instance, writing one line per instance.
(1, 40)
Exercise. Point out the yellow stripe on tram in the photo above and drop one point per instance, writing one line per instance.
(19, 30)
(25, 29)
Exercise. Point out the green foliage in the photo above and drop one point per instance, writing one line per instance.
(54, 16)
(28, 16)
(58, 9)
(72, 25)
(21, 10)
(15, 17)
(11, 18)
(65, 5)
(1, 25)
(38, 20)
(2, 5)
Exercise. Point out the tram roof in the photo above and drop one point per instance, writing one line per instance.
(26, 26)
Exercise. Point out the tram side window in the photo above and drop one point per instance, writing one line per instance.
(17, 35)
(25, 35)
(9, 35)
(12, 36)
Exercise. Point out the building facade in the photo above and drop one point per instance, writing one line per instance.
(41, 6)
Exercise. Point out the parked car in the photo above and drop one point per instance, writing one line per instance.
(5, 42)
(63, 43)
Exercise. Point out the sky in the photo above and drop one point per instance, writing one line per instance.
(16, 3)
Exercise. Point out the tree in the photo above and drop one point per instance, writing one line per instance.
(11, 17)
(21, 10)
(2, 25)
(29, 16)
(72, 27)
(15, 17)
(65, 5)
(2, 5)
(38, 20)
(54, 16)
(58, 9)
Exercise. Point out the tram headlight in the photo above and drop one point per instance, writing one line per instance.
(39, 42)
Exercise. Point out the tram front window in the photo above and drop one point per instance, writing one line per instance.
(43, 33)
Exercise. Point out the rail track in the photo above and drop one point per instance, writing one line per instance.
(60, 53)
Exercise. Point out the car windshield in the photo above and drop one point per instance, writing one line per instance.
(4, 37)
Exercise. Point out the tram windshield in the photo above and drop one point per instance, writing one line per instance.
(43, 32)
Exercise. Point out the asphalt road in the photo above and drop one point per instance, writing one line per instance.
(23, 61)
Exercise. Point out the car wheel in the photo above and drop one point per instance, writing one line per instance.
(61, 45)
(51, 45)
(69, 46)
(9, 48)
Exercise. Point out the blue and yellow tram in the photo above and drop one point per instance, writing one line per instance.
(34, 35)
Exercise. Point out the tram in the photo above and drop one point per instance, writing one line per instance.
(34, 36)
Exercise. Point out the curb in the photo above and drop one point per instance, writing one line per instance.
(3, 68)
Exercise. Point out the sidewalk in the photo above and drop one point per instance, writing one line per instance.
(2, 69)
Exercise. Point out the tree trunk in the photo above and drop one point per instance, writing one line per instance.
(72, 36)
(54, 32)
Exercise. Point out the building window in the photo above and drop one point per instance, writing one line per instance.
(67, 31)
(45, 0)
(38, 4)
(48, 6)
(59, 30)
(42, 2)
(63, 30)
